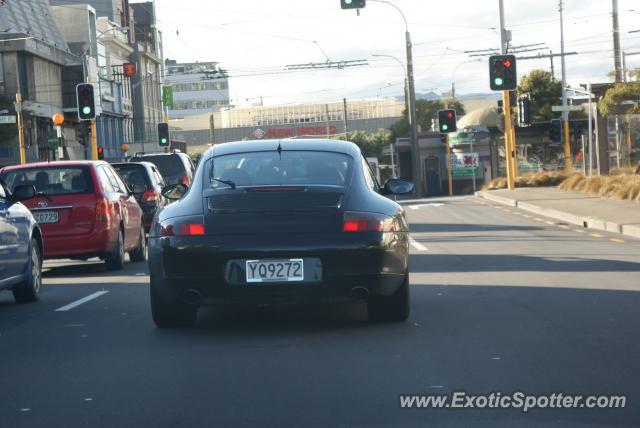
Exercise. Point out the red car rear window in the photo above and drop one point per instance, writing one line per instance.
(51, 180)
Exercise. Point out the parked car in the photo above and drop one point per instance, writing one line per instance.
(175, 167)
(84, 210)
(146, 182)
(21, 245)
(278, 222)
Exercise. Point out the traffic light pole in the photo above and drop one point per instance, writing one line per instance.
(509, 143)
(20, 117)
(94, 136)
(449, 173)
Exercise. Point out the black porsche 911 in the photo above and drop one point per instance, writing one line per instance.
(280, 222)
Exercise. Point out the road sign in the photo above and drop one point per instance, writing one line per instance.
(465, 164)
(167, 96)
(7, 120)
(52, 139)
(569, 108)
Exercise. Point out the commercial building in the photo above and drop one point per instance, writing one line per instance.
(288, 121)
(33, 53)
(146, 85)
(198, 88)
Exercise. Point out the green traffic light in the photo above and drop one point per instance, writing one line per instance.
(498, 81)
(163, 141)
(86, 110)
(444, 127)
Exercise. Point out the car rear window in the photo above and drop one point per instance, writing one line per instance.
(51, 180)
(167, 164)
(284, 168)
(133, 175)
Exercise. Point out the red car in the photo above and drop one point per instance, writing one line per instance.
(84, 210)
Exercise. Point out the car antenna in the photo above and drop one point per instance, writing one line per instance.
(279, 150)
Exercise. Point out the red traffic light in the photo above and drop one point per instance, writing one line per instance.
(449, 115)
(506, 63)
(100, 150)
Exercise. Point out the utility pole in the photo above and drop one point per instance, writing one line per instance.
(20, 120)
(565, 107)
(346, 128)
(509, 141)
(617, 57)
(415, 144)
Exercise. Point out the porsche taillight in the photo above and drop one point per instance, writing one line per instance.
(367, 222)
(191, 227)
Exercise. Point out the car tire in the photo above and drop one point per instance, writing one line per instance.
(171, 313)
(29, 290)
(140, 253)
(394, 308)
(115, 260)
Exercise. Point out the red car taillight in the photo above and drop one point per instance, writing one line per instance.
(103, 210)
(150, 197)
(367, 222)
(185, 180)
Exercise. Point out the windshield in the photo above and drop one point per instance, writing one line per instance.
(284, 168)
(51, 181)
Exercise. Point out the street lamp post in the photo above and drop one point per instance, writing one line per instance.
(453, 76)
(412, 114)
(404, 73)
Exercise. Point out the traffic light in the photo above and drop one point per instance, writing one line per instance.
(86, 101)
(555, 132)
(163, 134)
(524, 111)
(447, 121)
(100, 153)
(502, 72)
(353, 4)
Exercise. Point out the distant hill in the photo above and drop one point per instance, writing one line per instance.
(432, 96)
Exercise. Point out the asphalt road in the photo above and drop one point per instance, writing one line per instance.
(501, 302)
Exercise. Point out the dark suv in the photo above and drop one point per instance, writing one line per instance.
(175, 167)
(146, 183)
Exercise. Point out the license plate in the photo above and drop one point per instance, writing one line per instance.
(46, 216)
(275, 270)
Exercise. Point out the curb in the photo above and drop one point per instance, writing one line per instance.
(594, 223)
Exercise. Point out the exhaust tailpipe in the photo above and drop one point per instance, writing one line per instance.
(192, 296)
(360, 293)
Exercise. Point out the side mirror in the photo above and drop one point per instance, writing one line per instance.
(23, 192)
(397, 186)
(139, 188)
(174, 192)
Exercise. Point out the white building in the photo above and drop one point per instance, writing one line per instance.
(198, 88)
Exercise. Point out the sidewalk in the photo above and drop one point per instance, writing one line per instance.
(577, 208)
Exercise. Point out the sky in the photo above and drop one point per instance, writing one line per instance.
(255, 39)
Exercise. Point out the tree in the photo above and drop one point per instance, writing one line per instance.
(623, 98)
(427, 111)
(544, 91)
(371, 143)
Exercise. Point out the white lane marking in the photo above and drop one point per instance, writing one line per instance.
(418, 246)
(81, 301)
(415, 207)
